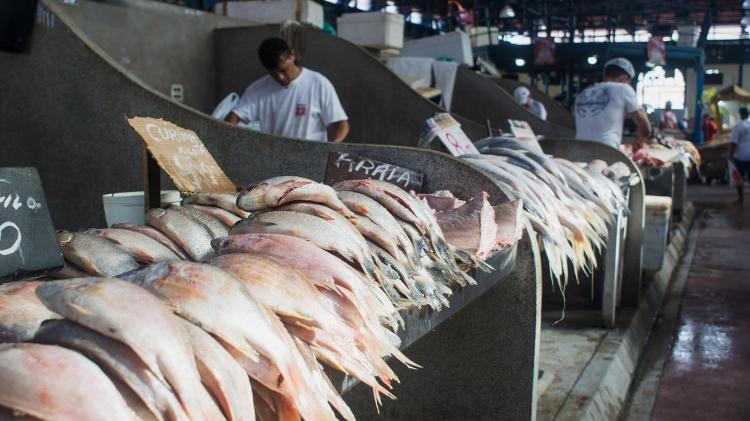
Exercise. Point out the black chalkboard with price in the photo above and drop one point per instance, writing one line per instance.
(28, 245)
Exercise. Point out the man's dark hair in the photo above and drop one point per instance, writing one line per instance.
(744, 113)
(271, 51)
(614, 71)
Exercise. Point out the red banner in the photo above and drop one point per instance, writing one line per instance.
(657, 53)
(545, 52)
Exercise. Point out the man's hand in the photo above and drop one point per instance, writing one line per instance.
(232, 118)
(338, 131)
(643, 128)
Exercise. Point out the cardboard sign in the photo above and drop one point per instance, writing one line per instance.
(521, 130)
(448, 130)
(345, 166)
(182, 155)
(28, 245)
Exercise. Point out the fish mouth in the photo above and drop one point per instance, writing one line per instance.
(64, 236)
(158, 212)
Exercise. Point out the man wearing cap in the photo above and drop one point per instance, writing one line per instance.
(291, 101)
(600, 110)
(523, 98)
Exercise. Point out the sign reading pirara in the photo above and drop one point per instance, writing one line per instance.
(345, 166)
(28, 245)
(182, 155)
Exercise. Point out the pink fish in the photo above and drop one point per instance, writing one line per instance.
(53, 383)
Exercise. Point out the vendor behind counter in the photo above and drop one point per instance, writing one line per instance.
(291, 101)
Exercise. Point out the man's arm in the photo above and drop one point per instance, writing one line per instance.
(643, 128)
(232, 118)
(338, 131)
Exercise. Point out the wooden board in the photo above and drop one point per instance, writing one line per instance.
(182, 155)
(345, 166)
(28, 245)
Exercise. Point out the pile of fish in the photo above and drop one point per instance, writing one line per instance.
(567, 204)
(228, 307)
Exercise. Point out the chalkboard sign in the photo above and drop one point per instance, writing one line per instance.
(345, 166)
(183, 156)
(28, 245)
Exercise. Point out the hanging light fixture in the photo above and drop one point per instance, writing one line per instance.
(520, 62)
(592, 60)
(507, 12)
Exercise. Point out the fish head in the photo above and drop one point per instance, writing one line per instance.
(65, 239)
(155, 214)
(149, 274)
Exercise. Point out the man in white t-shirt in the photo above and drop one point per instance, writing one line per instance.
(523, 98)
(291, 101)
(740, 149)
(600, 110)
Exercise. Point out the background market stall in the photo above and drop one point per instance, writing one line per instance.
(83, 148)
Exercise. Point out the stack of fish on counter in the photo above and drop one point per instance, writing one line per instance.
(653, 155)
(226, 307)
(568, 204)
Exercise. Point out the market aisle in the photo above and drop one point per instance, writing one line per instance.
(707, 375)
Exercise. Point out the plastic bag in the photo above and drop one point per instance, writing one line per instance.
(735, 178)
(225, 106)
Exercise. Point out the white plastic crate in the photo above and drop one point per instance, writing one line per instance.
(274, 11)
(455, 45)
(372, 29)
(656, 231)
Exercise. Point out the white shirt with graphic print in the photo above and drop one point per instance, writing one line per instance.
(301, 110)
(600, 112)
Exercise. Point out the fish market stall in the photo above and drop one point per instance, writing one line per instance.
(633, 247)
(85, 149)
(579, 211)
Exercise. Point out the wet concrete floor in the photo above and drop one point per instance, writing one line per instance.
(707, 373)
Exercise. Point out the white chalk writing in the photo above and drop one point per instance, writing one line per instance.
(8, 226)
(374, 169)
(11, 202)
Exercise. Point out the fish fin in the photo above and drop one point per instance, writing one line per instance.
(78, 309)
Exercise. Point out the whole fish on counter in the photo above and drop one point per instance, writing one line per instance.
(278, 191)
(72, 387)
(218, 302)
(94, 254)
(157, 235)
(324, 269)
(293, 297)
(215, 227)
(225, 217)
(410, 209)
(226, 201)
(140, 247)
(223, 377)
(120, 362)
(116, 308)
(187, 232)
(21, 312)
(323, 233)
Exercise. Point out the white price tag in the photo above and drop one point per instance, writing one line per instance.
(448, 130)
(521, 130)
